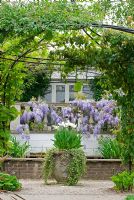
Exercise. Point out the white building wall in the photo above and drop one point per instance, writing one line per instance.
(43, 141)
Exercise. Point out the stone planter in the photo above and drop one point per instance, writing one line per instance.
(61, 163)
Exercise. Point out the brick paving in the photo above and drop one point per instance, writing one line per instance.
(85, 190)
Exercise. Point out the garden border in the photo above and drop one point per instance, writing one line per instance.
(31, 168)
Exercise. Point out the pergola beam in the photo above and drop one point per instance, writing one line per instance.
(118, 28)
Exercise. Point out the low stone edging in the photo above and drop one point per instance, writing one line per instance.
(31, 168)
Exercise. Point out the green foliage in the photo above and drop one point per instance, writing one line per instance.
(113, 55)
(130, 197)
(77, 166)
(116, 62)
(5, 143)
(7, 114)
(78, 86)
(75, 169)
(17, 149)
(126, 135)
(11, 82)
(26, 28)
(36, 83)
(65, 138)
(39, 127)
(48, 164)
(8, 182)
(97, 88)
(124, 181)
(31, 19)
(109, 148)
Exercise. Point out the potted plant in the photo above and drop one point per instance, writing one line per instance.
(66, 162)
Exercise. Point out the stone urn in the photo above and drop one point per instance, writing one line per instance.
(61, 163)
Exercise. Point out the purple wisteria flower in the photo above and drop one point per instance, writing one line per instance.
(116, 121)
(30, 116)
(90, 117)
(57, 119)
(24, 117)
(97, 129)
(66, 111)
(38, 115)
(85, 120)
(23, 130)
(44, 108)
(84, 128)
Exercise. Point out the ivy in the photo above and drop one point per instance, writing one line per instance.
(75, 169)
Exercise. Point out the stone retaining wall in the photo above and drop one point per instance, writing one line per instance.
(31, 168)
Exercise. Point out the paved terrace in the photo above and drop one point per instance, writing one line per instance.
(85, 190)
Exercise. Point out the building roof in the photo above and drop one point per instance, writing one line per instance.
(80, 75)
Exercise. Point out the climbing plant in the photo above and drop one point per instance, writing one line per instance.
(113, 56)
(26, 27)
(36, 83)
(117, 63)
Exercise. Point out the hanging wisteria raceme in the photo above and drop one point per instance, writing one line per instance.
(23, 131)
(55, 117)
(90, 117)
(97, 115)
(36, 112)
(66, 112)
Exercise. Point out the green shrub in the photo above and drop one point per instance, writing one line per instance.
(130, 197)
(5, 143)
(109, 148)
(18, 150)
(8, 182)
(65, 138)
(124, 181)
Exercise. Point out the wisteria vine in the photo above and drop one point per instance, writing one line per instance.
(90, 117)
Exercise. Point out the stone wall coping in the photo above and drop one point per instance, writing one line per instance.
(42, 159)
(24, 159)
(103, 160)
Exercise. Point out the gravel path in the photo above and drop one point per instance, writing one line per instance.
(85, 190)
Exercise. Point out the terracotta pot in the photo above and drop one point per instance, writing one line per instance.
(61, 163)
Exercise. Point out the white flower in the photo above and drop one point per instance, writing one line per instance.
(55, 127)
(62, 124)
(67, 124)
